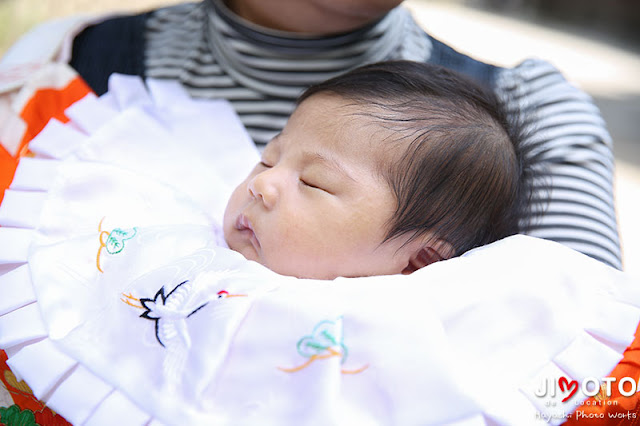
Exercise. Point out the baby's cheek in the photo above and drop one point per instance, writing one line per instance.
(292, 236)
(299, 239)
(231, 209)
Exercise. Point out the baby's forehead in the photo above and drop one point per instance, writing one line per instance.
(342, 129)
(334, 122)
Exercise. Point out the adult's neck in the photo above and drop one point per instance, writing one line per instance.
(312, 17)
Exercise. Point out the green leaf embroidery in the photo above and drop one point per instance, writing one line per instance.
(117, 237)
(13, 416)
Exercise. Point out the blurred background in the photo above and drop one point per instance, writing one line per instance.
(596, 43)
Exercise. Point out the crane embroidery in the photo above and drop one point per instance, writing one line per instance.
(169, 311)
(323, 343)
(114, 242)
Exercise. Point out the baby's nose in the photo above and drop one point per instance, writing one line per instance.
(264, 187)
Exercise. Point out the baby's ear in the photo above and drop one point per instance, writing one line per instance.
(433, 251)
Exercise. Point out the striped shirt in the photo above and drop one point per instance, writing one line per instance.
(216, 54)
(262, 73)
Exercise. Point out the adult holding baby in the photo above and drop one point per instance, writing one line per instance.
(260, 55)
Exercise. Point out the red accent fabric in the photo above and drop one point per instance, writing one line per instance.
(24, 399)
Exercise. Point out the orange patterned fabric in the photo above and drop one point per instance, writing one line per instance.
(8, 166)
(50, 103)
(46, 103)
(27, 409)
(617, 410)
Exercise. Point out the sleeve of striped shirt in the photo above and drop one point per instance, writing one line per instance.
(575, 153)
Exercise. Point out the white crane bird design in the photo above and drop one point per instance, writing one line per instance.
(170, 311)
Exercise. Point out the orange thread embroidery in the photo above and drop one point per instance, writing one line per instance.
(115, 241)
(313, 358)
(129, 299)
(102, 244)
(356, 371)
(322, 344)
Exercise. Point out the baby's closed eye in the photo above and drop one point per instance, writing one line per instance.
(316, 184)
(309, 184)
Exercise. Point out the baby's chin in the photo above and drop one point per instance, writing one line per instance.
(299, 271)
(282, 269)
(240, 246)
(326, 274)
(245, 250)
(293, 269)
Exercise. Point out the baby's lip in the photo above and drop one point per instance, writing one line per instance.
(243, 224)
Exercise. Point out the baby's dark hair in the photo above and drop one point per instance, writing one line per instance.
(462, 173)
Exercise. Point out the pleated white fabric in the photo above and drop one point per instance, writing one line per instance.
(122, 305)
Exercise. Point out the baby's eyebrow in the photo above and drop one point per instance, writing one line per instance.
(272, 144)
(274, 140)
(331, 162)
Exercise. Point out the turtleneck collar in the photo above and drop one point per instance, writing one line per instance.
(296, 43)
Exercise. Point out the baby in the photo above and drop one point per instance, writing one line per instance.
(382, 170)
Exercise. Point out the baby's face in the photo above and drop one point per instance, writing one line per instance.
(315, 207)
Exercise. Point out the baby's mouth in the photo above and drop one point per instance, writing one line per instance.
(244, 226)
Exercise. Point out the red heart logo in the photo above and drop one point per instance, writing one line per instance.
(571, 386)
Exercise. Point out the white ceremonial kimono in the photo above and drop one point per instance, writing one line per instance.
(120, 302)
